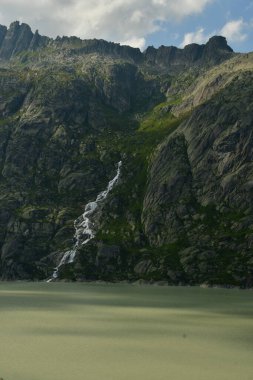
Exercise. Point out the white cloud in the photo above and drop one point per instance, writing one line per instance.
(234, 31)
(198, 37)
(117, 20)
(135, 42)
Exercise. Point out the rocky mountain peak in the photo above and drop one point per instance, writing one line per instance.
(100, 46)
(3, 31)
(16, 39)
(19, 37)
(215, 51)
(218, 42)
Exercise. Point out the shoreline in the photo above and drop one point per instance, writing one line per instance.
(138, 283)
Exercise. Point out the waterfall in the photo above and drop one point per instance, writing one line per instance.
(84, 227)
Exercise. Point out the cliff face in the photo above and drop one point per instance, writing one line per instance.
(215, 51)
(71, 109)
(199, 189)
(19, 38)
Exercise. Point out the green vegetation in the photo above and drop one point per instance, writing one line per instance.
(138, 145)
(209, 83)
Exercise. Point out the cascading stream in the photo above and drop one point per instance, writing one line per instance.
(84, 227)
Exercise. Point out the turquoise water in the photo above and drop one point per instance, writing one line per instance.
(120, 332)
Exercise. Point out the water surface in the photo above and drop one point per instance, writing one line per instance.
(61, 331)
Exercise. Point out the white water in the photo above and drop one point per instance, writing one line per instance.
(84, 227)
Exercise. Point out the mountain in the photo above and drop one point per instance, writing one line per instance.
(171, 127)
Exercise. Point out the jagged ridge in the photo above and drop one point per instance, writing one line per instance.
(19, 38)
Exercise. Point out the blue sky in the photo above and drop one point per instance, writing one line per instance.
(138, 23)
(236, 13)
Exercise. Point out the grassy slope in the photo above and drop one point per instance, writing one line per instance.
(208, 84)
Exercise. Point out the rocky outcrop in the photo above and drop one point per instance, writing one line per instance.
(78, 46)
(211, 82)
(170, 181)
(3, 31)
(199, 191)
(19, 38)
(215, 51)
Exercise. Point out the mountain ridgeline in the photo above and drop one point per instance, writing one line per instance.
(20, 38)
(179, 120)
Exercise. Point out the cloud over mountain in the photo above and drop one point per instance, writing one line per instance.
(126, 21)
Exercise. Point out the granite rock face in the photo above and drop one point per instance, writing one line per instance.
(200, 183)
(215, 51)
(3, 31)
(19, 38)
(71, 109)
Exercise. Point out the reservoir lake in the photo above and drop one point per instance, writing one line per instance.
(79, 331)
